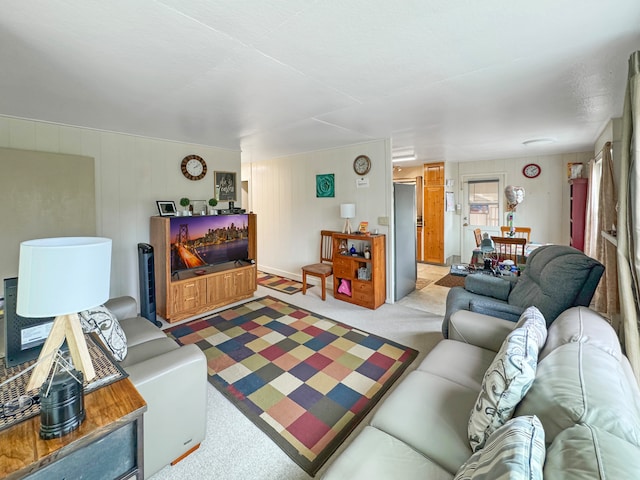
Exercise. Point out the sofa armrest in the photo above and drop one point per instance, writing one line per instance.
(480, 330)
(488, 286)
(496, 309)
(122, 307)
(174, 385)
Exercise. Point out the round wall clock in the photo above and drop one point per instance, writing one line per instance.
(193, 167)
(532, 170)
(362, 165)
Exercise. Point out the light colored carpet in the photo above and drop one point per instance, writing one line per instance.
(235, 448)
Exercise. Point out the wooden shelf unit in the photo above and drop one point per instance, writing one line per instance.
(187, 294)
(371, 292)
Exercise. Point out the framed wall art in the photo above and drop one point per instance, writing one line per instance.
(166, 208)
(325, 185)
(226, 187)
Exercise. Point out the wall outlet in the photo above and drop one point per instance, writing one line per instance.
(384, 221)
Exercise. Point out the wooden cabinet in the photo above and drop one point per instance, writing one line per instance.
(186, 293)
(357, 279)
(577, 210)
(433, 213)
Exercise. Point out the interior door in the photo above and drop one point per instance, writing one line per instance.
(481, 208)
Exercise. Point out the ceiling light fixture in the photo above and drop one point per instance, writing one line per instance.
(538, 141)
(404, 158)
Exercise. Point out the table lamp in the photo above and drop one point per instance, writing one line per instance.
(347, 211)
(59, 277)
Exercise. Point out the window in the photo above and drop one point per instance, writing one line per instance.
(484, 196)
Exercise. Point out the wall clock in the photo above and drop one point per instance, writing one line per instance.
(532, 170)
(193, 167)
(362, 165)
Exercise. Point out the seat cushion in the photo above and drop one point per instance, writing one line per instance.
(318, 269)
(515, 450)
(470, 362)
(375, 455)
(585, 451)
(145, 351)
(430, 414)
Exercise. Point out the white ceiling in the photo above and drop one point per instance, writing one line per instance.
(453, 80)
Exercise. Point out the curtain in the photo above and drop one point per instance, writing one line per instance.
(591, 226)
(628, 252)
(606, 296)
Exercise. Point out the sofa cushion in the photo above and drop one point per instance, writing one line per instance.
(585, 451)
(515, 450)
(139, 330)
(144, 351)
(470, 362)
(581, 324)
(532, 319)
(430, 414)
(374, 454)
(580, 383)
(101, 321)
(507, 380)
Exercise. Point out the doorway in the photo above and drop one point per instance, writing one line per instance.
(481, 208)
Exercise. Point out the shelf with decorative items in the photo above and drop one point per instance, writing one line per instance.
(359, 269)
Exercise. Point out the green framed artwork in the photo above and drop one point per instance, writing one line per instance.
(325, 185)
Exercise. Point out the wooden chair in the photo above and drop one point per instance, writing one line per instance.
(520, 232)
(509, 248)
(477, 233)
(323, 269)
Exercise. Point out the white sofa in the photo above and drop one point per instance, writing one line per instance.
(584, 394)
(173, 381)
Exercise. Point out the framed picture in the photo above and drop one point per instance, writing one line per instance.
(166, 208)
(226, 187)
(325, 185)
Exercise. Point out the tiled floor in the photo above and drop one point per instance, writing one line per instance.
(431, 298)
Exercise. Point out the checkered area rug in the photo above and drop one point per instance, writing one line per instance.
(304, 379)
(281, 284)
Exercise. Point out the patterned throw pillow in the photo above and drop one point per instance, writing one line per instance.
(508, 378)
(105, 324)
(515, 450)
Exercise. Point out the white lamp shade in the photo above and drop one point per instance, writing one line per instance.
(347, 210)
(59, 276)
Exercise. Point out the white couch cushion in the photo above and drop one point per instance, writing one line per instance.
(580, 383)
(508, 378)
(581, 324)
(470, 362)
(430, 414)
(516, 450)
(375, 455)
(584, 451)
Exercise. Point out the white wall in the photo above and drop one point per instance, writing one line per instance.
(282, 193)
(546, 204)
(131, 174)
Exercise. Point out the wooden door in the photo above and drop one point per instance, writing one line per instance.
(433, 213)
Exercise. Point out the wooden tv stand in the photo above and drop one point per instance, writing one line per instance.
(192, 292)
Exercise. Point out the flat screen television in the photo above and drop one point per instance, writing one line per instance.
(23, 337)
(208, 240)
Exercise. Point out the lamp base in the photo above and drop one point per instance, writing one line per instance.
(347, 227)
(61, 405)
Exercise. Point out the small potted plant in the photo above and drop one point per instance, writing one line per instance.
(184, 202)
(212, 203)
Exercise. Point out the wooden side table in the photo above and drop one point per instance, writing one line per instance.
(108, 444)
